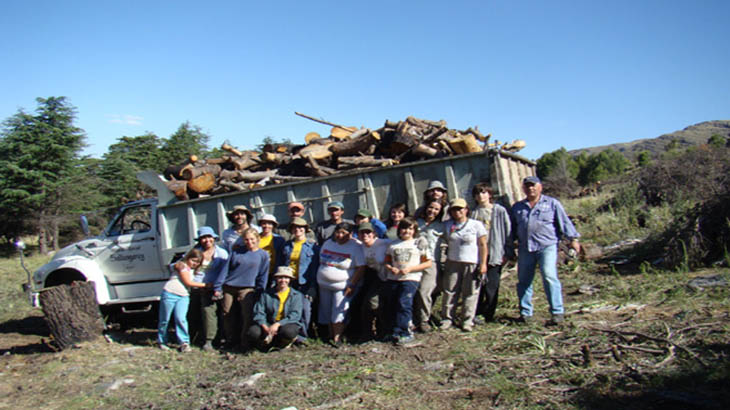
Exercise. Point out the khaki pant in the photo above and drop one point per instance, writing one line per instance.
(423, 301)
(460, 281)
(237, 313)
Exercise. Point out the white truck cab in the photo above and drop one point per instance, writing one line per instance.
(124, 261)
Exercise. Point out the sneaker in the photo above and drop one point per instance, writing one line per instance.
(467, 327)
(335, 343)
(390, 338)
(557, 319)
(445, 325)
(424, 328)
(478, 321)
(163, 346)
(405, 340)
(185, 348)
(208, 346)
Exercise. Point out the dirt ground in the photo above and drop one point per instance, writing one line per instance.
(630, 341)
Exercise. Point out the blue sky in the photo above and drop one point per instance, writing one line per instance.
(554, 73)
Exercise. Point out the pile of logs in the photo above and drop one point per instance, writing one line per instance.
(346, 148)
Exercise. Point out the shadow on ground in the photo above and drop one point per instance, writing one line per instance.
(699, 388)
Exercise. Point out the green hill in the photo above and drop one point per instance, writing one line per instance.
(693, 135)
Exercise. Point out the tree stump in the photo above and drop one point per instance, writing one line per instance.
(71, 313)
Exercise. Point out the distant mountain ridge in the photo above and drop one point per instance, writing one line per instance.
(693, 135)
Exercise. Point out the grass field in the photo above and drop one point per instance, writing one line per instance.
(635, 337)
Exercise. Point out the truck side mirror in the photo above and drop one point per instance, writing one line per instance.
(85, 225)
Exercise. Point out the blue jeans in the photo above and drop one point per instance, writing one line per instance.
(403, 291)
(171, 303)
(548, 259)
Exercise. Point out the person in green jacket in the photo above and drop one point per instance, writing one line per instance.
(277, 313)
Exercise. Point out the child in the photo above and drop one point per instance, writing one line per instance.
(176, 298)
(405, 261)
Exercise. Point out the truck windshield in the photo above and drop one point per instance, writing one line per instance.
(132, 220)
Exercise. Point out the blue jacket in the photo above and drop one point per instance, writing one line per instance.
(220, 257)
(265, 309)
(308, 265)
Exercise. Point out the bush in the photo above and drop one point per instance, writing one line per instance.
(696, 175)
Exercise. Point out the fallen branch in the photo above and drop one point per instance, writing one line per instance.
(322, 121)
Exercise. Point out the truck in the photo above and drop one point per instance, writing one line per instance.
(128, 261)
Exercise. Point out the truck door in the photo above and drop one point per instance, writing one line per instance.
(133, 251)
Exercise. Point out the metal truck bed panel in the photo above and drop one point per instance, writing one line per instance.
(375, 189)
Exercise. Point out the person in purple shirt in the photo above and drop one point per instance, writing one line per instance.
(539, 223)
(240, 282)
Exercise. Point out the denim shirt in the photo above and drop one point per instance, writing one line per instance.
(308, 263)
(220, 257)
(542, 226)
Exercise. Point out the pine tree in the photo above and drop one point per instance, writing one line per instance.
(37, 158)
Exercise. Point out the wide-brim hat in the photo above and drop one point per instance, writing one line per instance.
(458, 203)
(269, 218)
(284, 271)
(206, 231)
(298, 222)
(436, 185)
(241, 208)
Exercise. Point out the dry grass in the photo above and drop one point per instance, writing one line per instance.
(639, 341)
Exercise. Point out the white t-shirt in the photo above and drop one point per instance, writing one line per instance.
(174, 285)
(375, 257)
(463, 240)
(337, 263)
(408, 253)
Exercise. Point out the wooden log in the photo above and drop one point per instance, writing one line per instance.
(236, 186)
(404, 138)
(202, 183)
(276, 158)
(464, 144)
(342, 133)
(360, 143)
(246, 176)
(71, 313)
(311, 136)
(245, 162)
(364, 161)
(179, 188)
(434, 135)
(194, 172)
(218, 161)
(475, 131)
(423, 150)
(514, 146)
(231, 149)
(316, 151)
(316, 169)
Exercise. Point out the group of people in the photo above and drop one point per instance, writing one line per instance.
(272, 285)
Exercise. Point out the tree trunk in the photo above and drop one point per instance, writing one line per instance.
(71, 313)
(42, 240)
